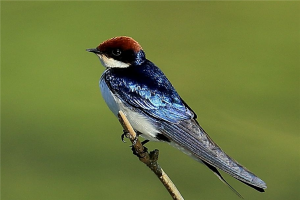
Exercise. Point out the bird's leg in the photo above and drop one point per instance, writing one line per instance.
(144, 150)
(125, 134)
(144, 142)
(134, 142)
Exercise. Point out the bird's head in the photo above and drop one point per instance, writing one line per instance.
(119, 52)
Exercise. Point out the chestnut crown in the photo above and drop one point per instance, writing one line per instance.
(123, 49)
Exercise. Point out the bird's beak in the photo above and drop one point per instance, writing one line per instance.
(96, 51)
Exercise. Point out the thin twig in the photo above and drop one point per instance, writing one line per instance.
(150, 159)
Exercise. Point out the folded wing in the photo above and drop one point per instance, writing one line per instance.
(189, 135)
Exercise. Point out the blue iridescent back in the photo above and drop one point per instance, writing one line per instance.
(145, 87)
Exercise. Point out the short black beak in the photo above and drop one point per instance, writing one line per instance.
(94, 51)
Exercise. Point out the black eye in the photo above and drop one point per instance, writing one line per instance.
(116, 52)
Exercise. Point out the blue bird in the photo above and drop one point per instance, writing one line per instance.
(136, 86)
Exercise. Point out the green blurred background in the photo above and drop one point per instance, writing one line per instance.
(235, 63)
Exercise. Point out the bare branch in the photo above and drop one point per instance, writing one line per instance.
(150, 159)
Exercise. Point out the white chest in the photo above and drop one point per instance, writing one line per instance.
(138, 121)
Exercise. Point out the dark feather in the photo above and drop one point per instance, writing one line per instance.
(145, 89)
(217, 173)
(190, 136)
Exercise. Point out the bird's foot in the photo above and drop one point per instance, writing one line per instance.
(125, 134)
(145, 142)
(138, 153)
(145, 149)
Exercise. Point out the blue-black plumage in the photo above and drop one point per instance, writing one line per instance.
(136, 86)
(145, 87)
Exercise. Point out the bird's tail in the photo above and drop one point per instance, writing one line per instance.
(189, 137)
(217, 173)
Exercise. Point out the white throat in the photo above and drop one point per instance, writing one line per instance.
(112, 63)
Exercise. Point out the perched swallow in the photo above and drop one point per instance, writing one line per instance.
(136, 86)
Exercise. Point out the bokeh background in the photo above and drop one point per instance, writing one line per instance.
(235, 63)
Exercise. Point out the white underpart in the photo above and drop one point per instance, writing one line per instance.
(111, 63)
(139, 122)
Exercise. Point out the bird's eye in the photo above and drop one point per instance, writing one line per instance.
(116, 52)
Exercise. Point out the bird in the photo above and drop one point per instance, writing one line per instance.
(137, 87)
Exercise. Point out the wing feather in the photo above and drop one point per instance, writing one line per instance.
(189, 135)
(147, 89)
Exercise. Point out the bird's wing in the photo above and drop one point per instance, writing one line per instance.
(152, 94)
(149, 90)
(189, 135)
